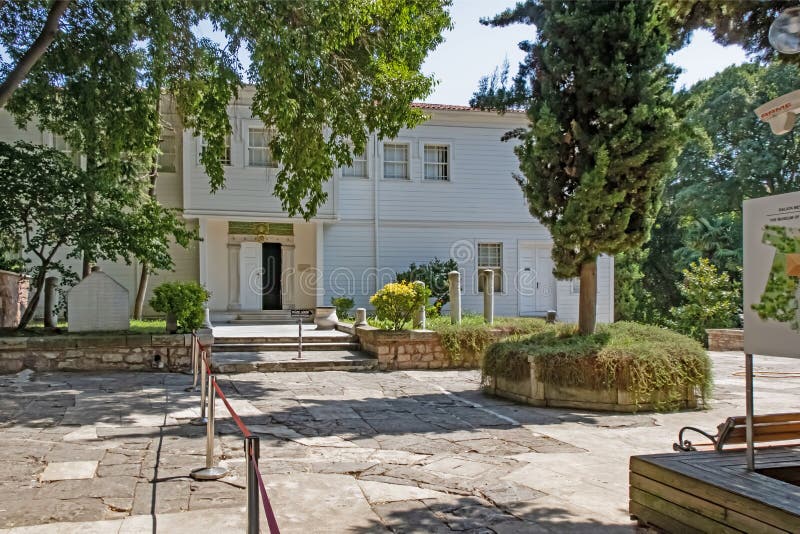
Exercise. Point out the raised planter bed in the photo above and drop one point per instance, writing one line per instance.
(622, 367)
(531, 391)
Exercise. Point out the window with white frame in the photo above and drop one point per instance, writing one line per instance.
(437, 162)
(575, 286)
(490, 256)
(226, 155)
(395, 161)
(258, 153)
(358, 169)
(167, 160)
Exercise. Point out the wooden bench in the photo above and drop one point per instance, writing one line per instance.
(766, 428)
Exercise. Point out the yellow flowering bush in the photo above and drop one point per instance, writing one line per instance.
(396, 302)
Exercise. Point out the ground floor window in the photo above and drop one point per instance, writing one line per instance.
(490, 256)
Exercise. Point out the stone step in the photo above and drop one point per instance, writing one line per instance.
(285, 347)
(271, 362)
(260, 340)
(281, 321)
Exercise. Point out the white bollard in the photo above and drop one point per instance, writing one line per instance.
(454, 277)
(488, 295)
(419, 316)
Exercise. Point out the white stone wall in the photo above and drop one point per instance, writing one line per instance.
(98, 303)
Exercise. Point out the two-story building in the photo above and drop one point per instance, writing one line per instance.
(442, 190)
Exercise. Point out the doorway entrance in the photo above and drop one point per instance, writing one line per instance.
(271, 265)
(537, 284)
(260, 276)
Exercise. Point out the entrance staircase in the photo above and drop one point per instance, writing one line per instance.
(278, 350)
(265, 317)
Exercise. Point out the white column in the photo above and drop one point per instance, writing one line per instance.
(288, 277)
(320, 267)
(203, 251)
(234, 249)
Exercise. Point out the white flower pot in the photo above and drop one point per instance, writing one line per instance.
(325, 317)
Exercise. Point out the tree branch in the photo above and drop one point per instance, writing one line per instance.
(35, 52)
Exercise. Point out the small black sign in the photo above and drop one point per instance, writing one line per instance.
(301, 313)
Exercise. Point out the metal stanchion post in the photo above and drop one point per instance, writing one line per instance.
(202, 420)
(748, 385)
(251, 451)
(299, 339)
(210, 471)
(193, 387)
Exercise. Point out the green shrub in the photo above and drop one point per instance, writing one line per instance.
(184, 299)
(434, 274)
(711, 300)
(397, 302)
(343, 306)
(642, 359)
(474, 335)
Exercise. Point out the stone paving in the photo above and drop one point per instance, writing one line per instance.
(412, 451)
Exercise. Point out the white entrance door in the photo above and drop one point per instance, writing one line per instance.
(250, 282)
(537, 285)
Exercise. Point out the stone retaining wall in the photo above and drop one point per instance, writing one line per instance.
(411, 349)
(529, 390)
(142, 352)
(725, 339)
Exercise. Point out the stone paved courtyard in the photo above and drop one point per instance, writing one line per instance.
(419, 451)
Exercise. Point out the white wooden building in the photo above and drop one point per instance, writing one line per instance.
(444, 189)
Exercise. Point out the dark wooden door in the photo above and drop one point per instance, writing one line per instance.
(271, 264)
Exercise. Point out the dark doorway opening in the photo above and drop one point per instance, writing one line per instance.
(271, 263)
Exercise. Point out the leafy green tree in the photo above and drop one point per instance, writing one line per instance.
(434, 274)
(325, 74)
(741, 22)
(46, 204)
(730, 156)
(604, 127)
(711, 300)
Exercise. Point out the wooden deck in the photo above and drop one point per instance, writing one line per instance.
(708, 491)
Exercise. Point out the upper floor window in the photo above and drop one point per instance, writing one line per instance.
(437, 162)
(167, 160)
(225, 159)
(395, 161)
(490, 256)
(358, 169)
(258, 153)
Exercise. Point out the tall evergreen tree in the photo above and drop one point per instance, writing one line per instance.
(604, 132)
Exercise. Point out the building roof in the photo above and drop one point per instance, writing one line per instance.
(455, 107)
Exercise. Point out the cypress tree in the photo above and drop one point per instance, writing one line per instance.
(604, 131)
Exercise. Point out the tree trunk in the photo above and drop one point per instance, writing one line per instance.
(587, 307)
(138, 304)
(38, 283)
(35, 52)
(144, 278)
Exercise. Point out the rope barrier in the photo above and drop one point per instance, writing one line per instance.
(271, 521)
(268, 512)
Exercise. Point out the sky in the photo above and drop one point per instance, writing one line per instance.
(471, 50)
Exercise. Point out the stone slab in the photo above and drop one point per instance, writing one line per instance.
(69, 471)
(308, 502)
(381, 492)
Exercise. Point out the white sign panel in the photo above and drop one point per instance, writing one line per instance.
(772, 275)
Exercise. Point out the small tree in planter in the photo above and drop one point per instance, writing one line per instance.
(434, 274)
(343, 306)
(397, 302)
(183, 302)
